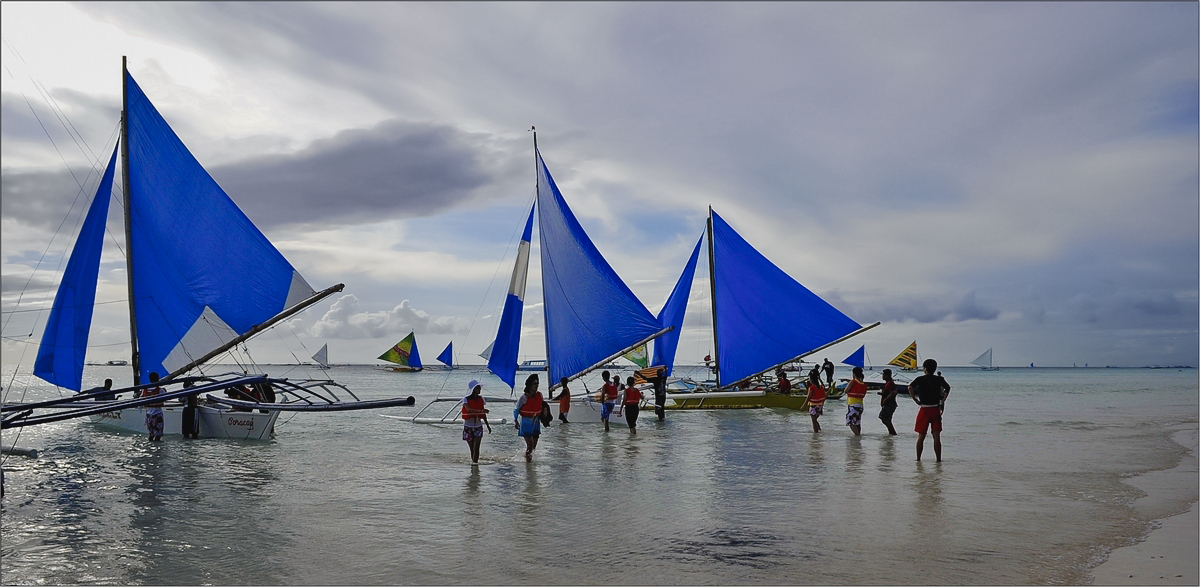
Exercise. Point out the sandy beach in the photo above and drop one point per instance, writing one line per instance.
(1170, 554)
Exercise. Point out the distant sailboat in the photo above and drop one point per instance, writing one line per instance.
(907, 359)
(322, 357)
(447, 356)
(858, 358)
(985, 361)
(404, 354)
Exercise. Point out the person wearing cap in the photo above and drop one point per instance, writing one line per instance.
(888, 401)
(474, 417)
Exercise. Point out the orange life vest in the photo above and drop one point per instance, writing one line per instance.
(633, 395)
(816, 395)
(532, 407)
(472, 408)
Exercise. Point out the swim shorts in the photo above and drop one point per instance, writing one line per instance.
(854, 414)
(929, 417)
(886, 413)
(606, 410)
(816, 410)
(154, 424)
(470, 432)
(530, 427)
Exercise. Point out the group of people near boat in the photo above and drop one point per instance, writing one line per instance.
(929, 391)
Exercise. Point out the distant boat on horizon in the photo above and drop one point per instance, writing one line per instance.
(405, 355)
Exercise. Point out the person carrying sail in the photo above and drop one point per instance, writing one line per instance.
(631, 404)
(474, 417)
(856, 390)
(816, 399)
(154, 411)
(527, 413)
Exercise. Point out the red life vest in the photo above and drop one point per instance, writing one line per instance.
(532, 407)
(633, 395)
(472, 408)
(153, 391)
(609, 393)
(816, 395)
(856, 389)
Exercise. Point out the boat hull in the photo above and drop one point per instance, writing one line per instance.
(214, 422)
(716, 400)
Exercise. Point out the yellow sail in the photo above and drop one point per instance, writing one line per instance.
(907, 359)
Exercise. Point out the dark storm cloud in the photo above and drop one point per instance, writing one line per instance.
(393, 170)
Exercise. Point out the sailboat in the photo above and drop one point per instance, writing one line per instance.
(985, 361)
(404, 354)
(591, 316)
(322, 357)
(447, 356)
(762, 319)
(907, 359)
(202, 279)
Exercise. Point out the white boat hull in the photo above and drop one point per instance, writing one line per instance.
(214, 422)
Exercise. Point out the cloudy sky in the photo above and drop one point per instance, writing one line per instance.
(1021, 176)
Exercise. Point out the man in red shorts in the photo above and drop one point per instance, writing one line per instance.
(930, 392)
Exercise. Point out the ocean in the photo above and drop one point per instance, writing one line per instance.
(1030, 491)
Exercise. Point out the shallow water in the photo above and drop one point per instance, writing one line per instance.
(1029, 491)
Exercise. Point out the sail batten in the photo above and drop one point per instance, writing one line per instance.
(590, 312)
(195, 254)
(63, 348)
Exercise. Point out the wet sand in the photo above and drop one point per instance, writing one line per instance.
(1170, 554)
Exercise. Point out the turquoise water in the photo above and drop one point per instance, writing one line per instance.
(1029, 491)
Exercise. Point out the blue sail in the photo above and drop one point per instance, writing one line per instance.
(502, 353)
(202, 272)
(414, 356)
(857, 358)
(447, 356)
(591, 315)
(672, 314)
(763, 316)
(64, 343)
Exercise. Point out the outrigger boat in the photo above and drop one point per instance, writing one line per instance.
(405, 355)
(762, 319)
(202, 279)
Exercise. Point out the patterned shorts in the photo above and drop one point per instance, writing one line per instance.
(816, 410)
(606, 410)
(154, 425)
(854, 414)
(471, 432)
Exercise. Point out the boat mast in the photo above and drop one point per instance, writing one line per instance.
(712, 283)
(133, 332)
(537, 174)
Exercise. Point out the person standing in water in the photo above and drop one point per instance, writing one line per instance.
(888, 402)
(191, 424)
(828, 367)
(564, 401)
(856, 390)
(816, 399)
(474, 416)
(608, 398)
(660, 393)
(930, 392)
(631, 404)
(527, 414)
(154, 411)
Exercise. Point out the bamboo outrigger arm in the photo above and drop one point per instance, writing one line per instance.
(284, 315)
(794, 359)
(554, 384)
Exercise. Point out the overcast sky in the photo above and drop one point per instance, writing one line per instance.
(1021, 176)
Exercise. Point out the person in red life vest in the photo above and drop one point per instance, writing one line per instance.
(529, 409)
(564, 401)
(785, 384)
(474, 417)
(154, 411)
(608, 398)
(856, 390)
(816, 398)
(930, 392)
(888, 402)
(631, 404)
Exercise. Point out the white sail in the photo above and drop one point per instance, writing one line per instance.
(322, 356)
(984, 360)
